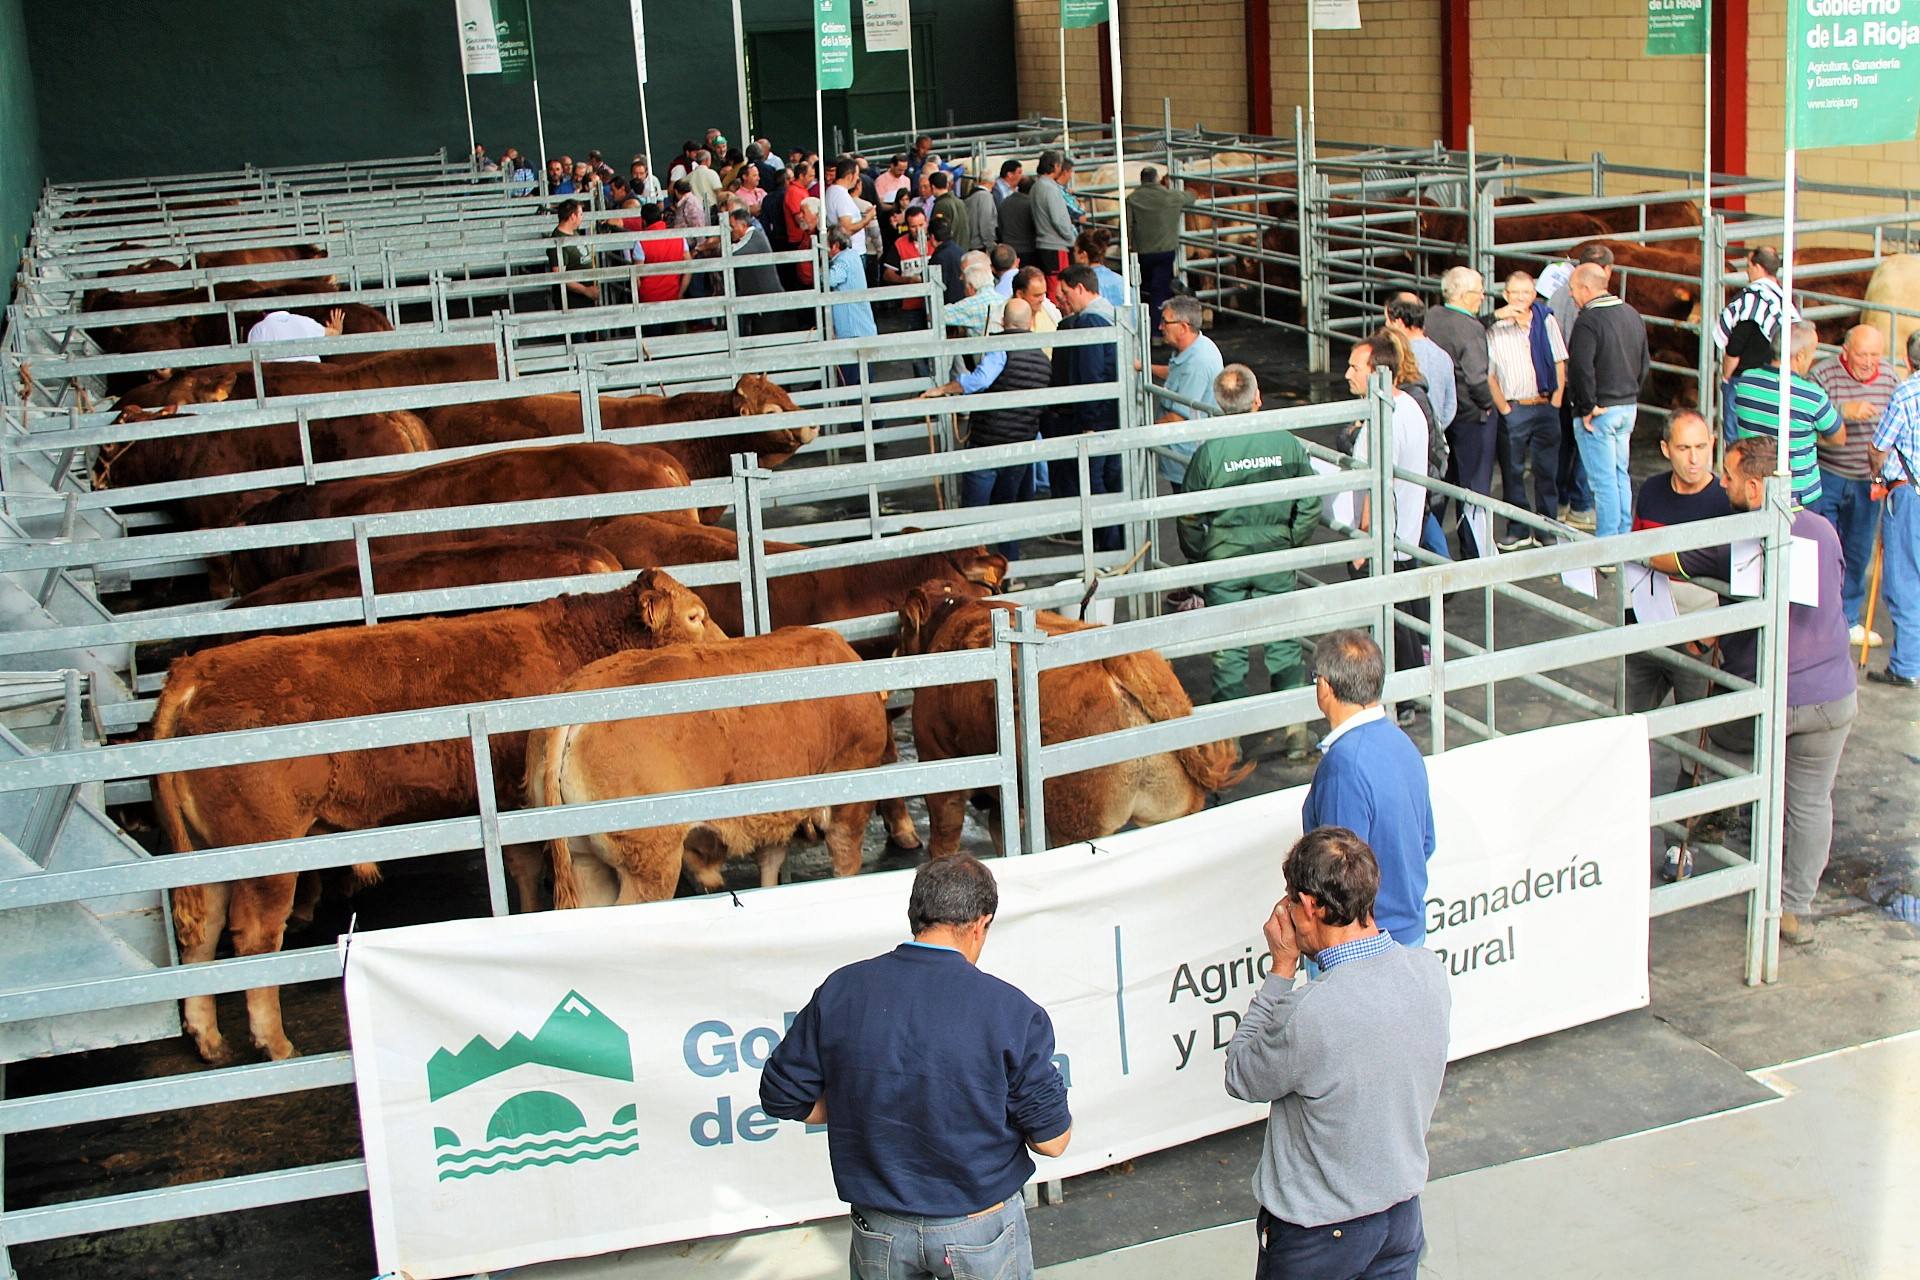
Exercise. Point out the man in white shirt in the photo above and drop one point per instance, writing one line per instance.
(1527, 372)
(704, 181)
(843, 211)
(1383, 350)
(285, 326)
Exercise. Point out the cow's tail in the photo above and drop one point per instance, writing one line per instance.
(1149, 681)
(546, 751)
(197, 915)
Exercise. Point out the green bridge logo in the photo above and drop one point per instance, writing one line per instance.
(537, 1127)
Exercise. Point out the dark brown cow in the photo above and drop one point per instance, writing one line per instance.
(421, 367)
(575, 763)
(797, 599)
(224, 453)
(498, 557)
(261, 254)
(1124, 692)
(512, 475)
(358, 671)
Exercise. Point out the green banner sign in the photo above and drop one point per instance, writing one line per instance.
(514, 31)
(1082, 13)
(1853, 73)
(1676, 28)
(832, 44)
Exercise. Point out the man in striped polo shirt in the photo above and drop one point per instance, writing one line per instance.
(1859, 381)
(1748, 327)
(1814, 424)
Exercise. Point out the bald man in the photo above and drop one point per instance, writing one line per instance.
(1021, 369)
(1859, 381)
(1607, 362)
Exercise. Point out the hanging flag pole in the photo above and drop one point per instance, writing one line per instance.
(740, 74)
(640, 74)
(466, 91)
(1119, 149)
(1066, 130)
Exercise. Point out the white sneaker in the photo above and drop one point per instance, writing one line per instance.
(1859, 635)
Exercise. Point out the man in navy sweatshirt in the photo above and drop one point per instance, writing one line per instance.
(934, 1081)
(1372, 780)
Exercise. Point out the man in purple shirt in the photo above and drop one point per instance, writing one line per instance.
(1821, 697)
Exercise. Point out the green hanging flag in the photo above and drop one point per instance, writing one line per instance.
(514, 31)
(1676, 28)
(832, 44)
(1082, 13)
(1853, 73)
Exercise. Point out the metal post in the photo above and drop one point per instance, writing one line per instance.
(489, 815)
(1006, 734)
(1027, 712)
(750, 531)
(466, 91)
(1380, 393)
(1066, 130)
(1119, 148)
(913, 110)
(740, 78)
(1437, 665)
(1770, 745)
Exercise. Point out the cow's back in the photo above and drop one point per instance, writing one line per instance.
(1896, 282)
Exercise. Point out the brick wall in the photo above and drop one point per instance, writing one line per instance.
(1036, 25)
(1380, 84)
(1192, 53)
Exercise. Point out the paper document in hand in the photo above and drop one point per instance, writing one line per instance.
(1337, 510)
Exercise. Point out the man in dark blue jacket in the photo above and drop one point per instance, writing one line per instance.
(1372, 780)
(1080, 366)
(934, 1081)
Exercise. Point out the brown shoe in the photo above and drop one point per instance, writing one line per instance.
(1795, 930)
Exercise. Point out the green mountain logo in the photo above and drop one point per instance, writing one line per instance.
(537, 1127)
(575, 1037)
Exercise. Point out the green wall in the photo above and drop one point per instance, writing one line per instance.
(20, 170)
(132, 87)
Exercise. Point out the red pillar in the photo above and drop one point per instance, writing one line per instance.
(1106, 71)
(1730, 90)
(1456, 73)
(1259, 68)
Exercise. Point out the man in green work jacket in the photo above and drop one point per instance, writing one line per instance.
(1258, 527)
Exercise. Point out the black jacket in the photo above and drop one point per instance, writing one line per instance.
(1024, 371)
(1607, 356)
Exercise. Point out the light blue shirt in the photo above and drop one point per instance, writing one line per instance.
(1358, 949)
(981, 376)
(846, 274)
(1899, 429)
(1190, 373)
(1112, 287)
(1436, 366)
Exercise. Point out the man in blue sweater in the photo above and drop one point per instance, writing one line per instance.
(1372, 780)
(934, 1081)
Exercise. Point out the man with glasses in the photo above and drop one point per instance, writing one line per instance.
(1352, 1064)
(1189, 373)
(934, 1081)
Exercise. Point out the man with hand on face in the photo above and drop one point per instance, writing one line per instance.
(1352, 1063)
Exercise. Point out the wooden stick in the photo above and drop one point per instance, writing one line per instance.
(1873, 597)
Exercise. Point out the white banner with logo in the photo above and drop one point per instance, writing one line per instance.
(569, 1083)
(887, 25)
(479, 41)
(1336, 15)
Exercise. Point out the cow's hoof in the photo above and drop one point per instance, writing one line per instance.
(214, 1051)
(911, 840)
(278, 1050)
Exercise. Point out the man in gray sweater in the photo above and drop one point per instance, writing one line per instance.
(1052, 221)
(1352, 1063)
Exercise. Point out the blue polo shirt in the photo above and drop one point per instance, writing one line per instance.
(1373, 781)
(935, 1076)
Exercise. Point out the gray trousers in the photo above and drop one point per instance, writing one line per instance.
(1816, 734)
(1649, 680)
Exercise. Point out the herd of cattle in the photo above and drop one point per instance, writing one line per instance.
(650, 630)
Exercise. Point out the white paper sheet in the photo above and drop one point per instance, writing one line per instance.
(1649, 593)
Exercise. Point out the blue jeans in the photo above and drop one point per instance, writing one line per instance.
(1570, 477)
(994, 486)
(986, 1246)
(1849, 507)
(1532, 431)
(1604, 451)
(1380, 1246)
(1900, 577)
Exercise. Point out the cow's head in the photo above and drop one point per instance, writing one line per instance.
(669, 612)
(110, 452)
(979, 565)
(206, 385)
(927, 606)
(757, 393)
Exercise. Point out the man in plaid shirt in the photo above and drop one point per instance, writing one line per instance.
(1896, 446)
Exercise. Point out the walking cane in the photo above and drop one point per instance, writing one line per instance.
(1873, 595)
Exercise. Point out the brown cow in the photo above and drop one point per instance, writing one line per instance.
(512, 475)
(419, 367)
(1080, 701)
(1661, 215)
(224, 453)
(694, 750)
(795, 599)
(539, 417)
(359, 671)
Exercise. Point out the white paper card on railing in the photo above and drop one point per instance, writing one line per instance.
(1336, 509)
(1649, 594)
(1584, 581)
(1748, 574)
(1803, 573)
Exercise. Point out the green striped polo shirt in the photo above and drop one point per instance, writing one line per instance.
(1756, 412)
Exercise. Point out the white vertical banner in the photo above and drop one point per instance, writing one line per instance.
(887, 28)
(573, 1082)
(479, 39)
(1336, 15)
(640, 44)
